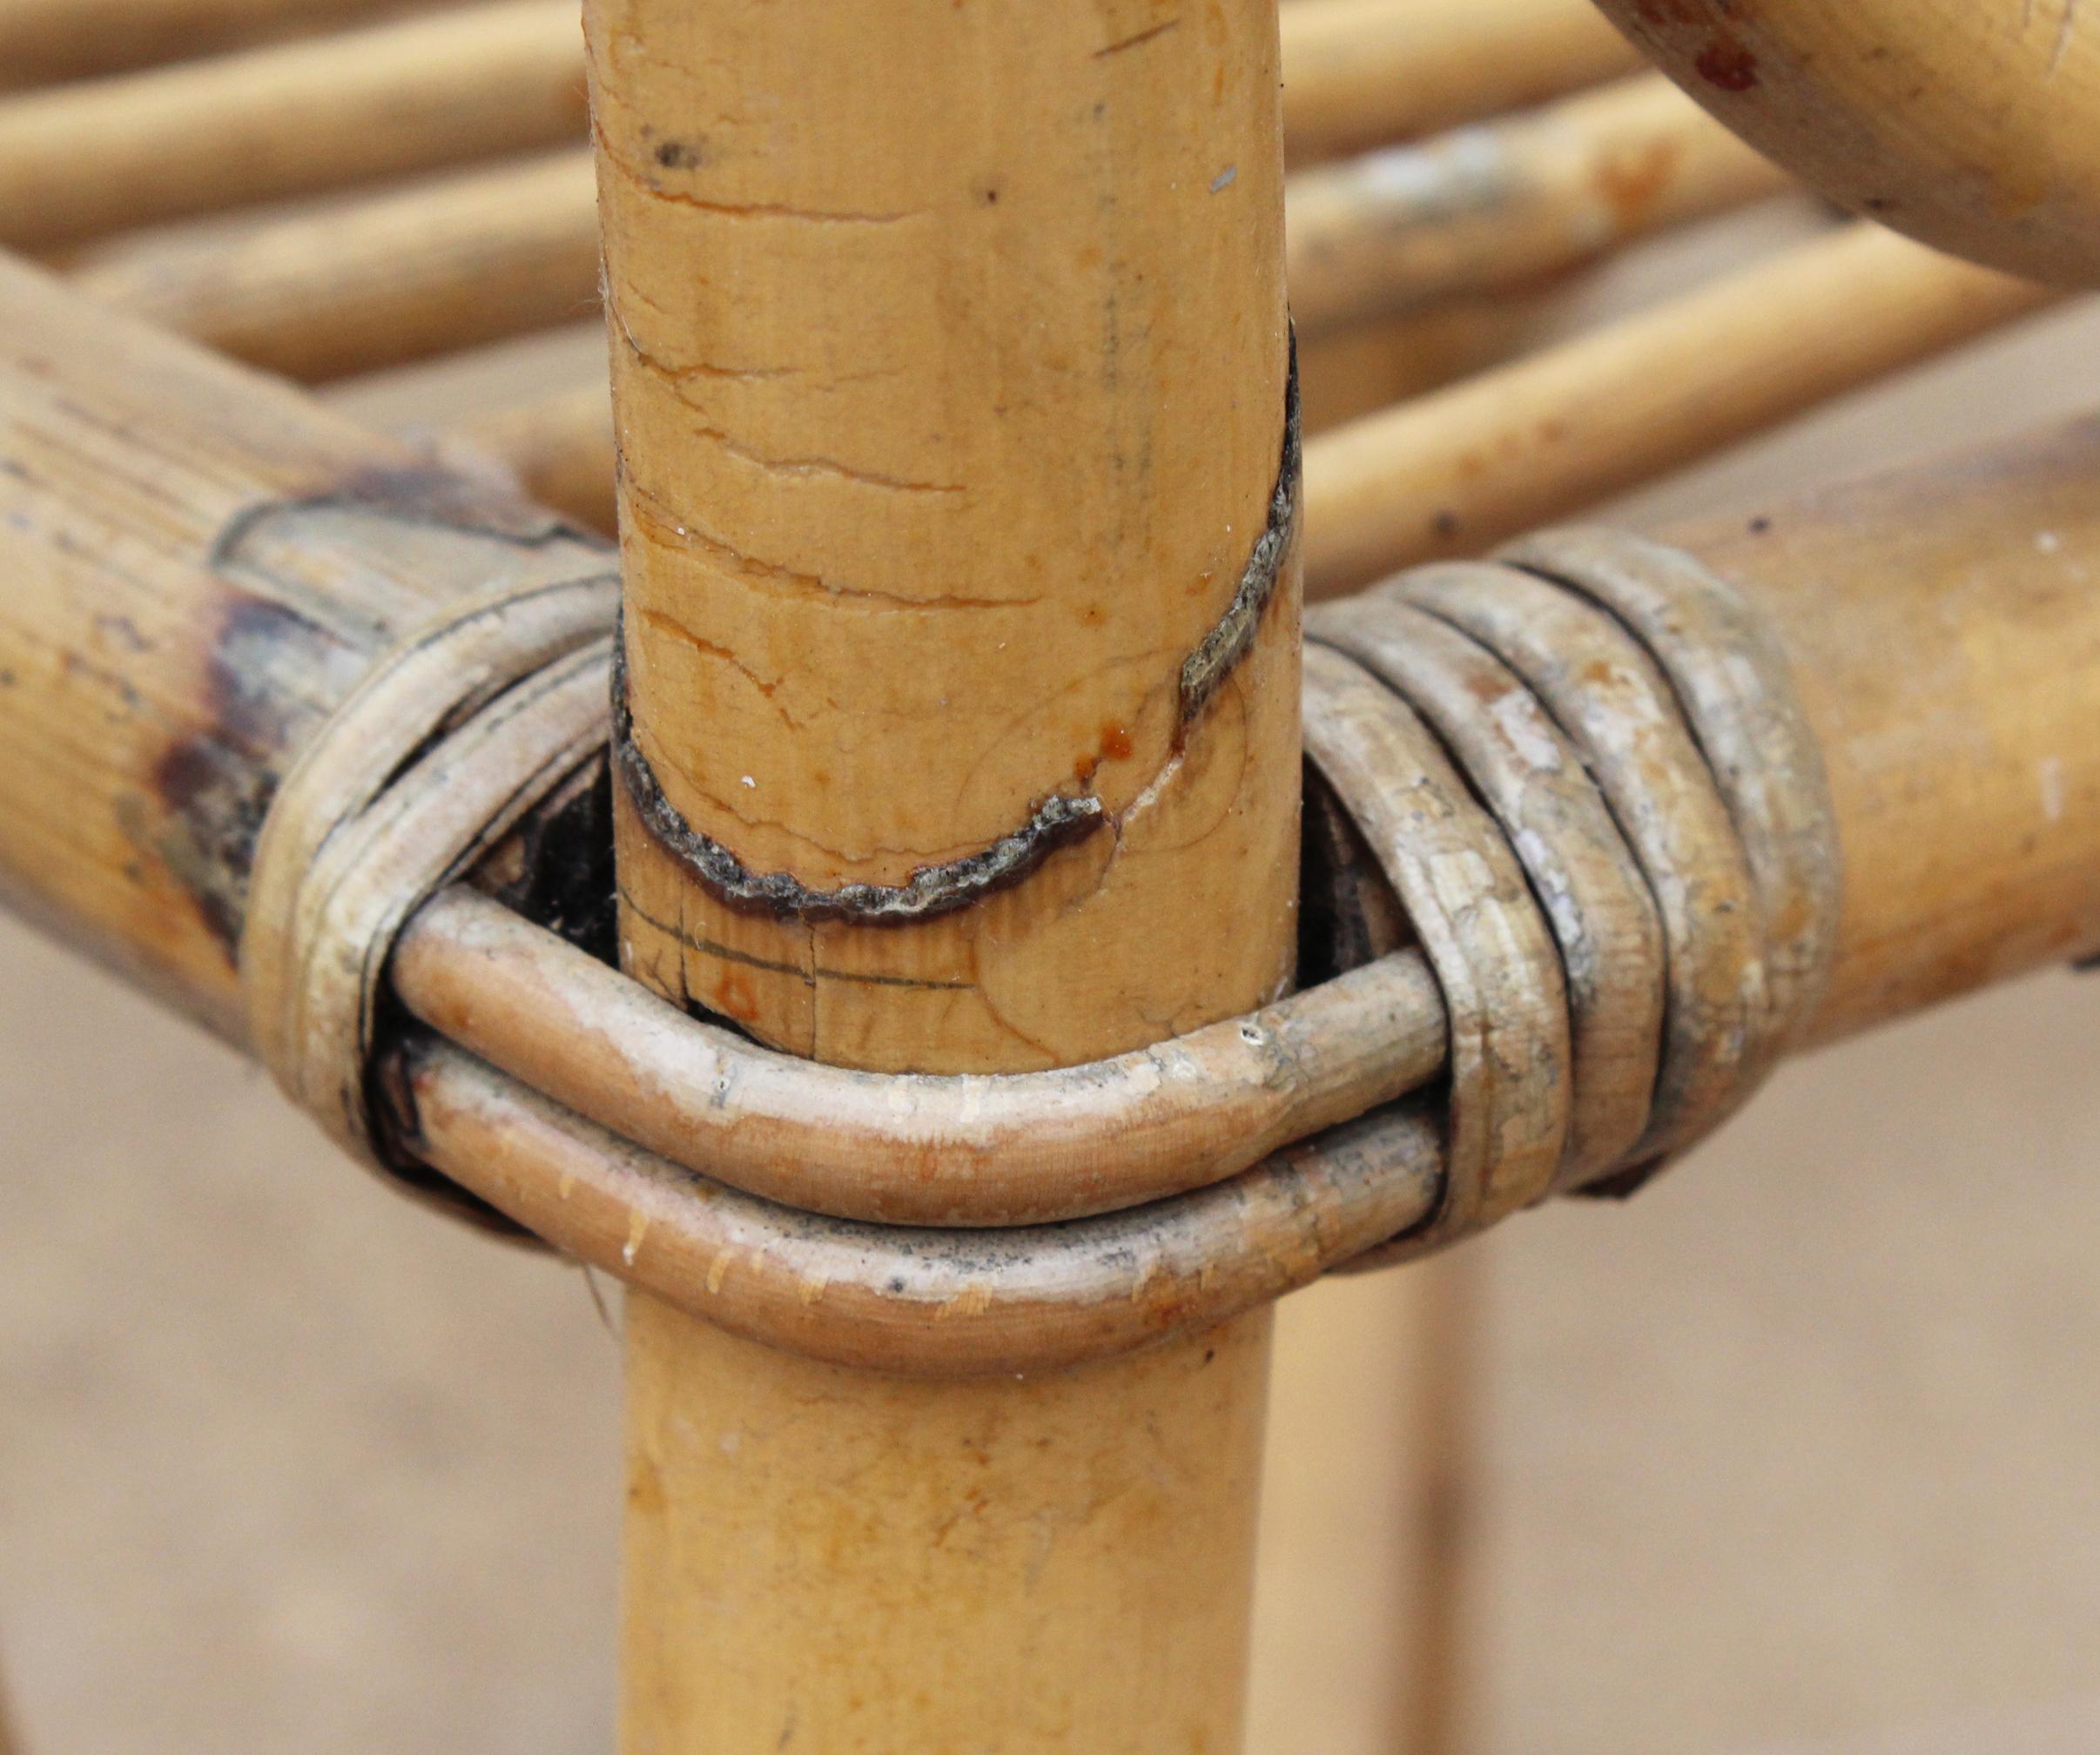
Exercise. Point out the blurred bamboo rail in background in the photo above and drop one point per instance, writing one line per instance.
(1454, 472)
(442, 265)
(1359, 72)
(43, 41)
(1489, 208)
(290, 119)
(424, 93)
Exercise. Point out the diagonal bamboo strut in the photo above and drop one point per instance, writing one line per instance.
(1454, 471)
(439, 90)
(949, 424)
(449, 262)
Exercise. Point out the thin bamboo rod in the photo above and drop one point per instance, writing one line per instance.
(1455, 472)
(419, 94)
(289, 119)
(473, 258)
(428, 269)
(1363, 73)
(1487, 209)
(948, 425)
(1969, 126)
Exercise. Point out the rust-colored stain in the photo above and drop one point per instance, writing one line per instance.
(1726, 64)
(1115, 746)
(1632, 183)
(735, 995)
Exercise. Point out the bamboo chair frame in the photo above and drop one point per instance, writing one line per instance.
(1449, 165)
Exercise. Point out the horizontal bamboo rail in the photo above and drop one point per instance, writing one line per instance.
(495, 252)
(376, 281)
(289, 119)
(1970, 126)
(46, 40)
(1455, 472)
(424, 93)
(1360, 72)
(1493, 207)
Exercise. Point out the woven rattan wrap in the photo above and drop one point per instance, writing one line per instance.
(1580, 769)
(1628, 725)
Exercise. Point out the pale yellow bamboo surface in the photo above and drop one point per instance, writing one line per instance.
(1542, 436)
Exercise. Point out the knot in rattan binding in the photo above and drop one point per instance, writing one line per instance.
(1583, 769)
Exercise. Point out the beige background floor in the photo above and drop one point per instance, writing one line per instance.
(1799, 1453)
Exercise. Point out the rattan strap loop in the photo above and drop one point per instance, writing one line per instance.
(436, 754)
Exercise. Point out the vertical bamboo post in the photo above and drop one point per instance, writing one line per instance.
(949, 367)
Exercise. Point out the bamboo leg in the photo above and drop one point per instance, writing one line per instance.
(1430, 1716)
(949, 365)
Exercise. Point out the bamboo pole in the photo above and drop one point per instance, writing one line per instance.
(1455, 472)
(949, 422)
(377, 281)
(1968, 126)
(46, 40)
(288, 119)
(1363, 73)
(426, 92)
(1487, 209)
